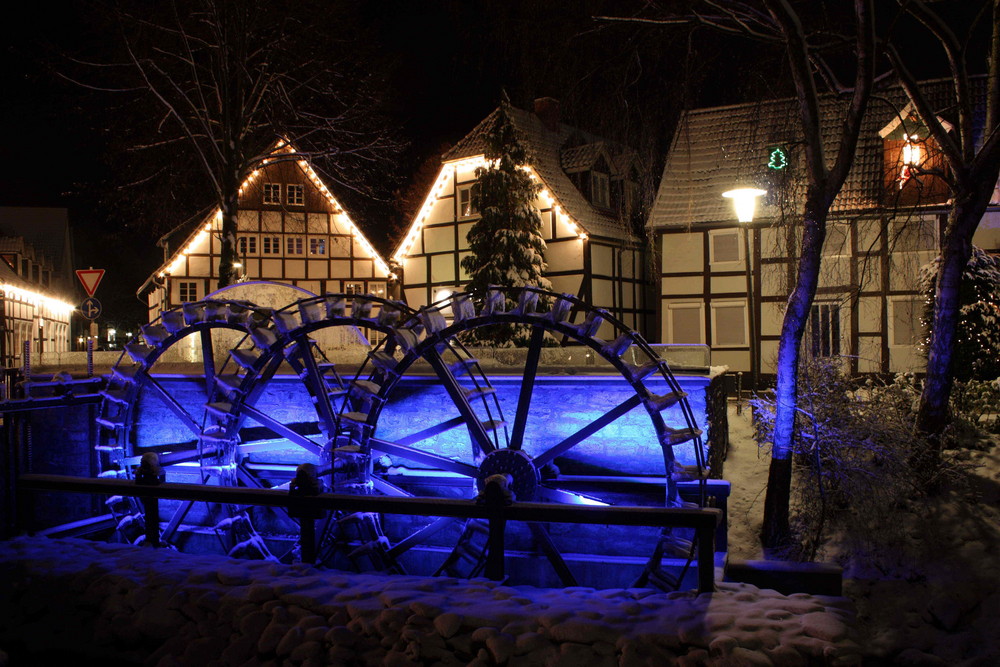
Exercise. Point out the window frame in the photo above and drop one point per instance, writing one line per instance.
(187, 286)
(349, 284)
(600, 189)
(835, 321)
(469, 208)
(740, 249)
(715, 306)
(270, 244)
(891, 323)
(271, 194)
(294, 246)
(299, 199)
(317, 246)
(246, 245)
(674, 306)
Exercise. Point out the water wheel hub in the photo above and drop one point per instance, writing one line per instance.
(515, 463)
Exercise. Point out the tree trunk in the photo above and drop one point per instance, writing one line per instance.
(227, 240)
(775, 532)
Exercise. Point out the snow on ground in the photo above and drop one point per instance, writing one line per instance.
(928, 593)
(129, 604)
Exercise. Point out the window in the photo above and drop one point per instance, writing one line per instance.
(468, 200)
(272, 193)
(824, 330)
(247, 245)
(354, 288)
(729, 328)
(188, 291)
(905, 327)
(684, 323)
(293, 245)
(377, 289)
(271, 245)
(296, 194)
(600, 189)
(724, 246)
(317, 246)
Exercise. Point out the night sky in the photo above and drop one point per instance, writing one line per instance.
(444, 64)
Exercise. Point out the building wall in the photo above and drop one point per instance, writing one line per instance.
(608, 273)
(867, 305)
(312, 245)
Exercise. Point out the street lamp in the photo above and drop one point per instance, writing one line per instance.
(745, 203)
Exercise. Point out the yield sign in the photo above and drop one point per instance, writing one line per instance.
(90, 278)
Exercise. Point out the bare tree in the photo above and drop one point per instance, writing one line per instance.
(779, 23)
(973, 158)
(232, 79)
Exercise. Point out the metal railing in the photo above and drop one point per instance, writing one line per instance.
(702, 521)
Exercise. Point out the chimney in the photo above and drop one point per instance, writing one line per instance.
(547, 110)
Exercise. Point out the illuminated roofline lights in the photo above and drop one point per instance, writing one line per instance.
(35, 298)
(176, 260)
(449, 169)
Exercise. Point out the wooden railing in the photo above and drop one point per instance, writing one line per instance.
(702, 521)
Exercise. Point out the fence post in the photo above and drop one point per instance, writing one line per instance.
(306, 483)
(496, 495)
(705, 534)
(149, 473)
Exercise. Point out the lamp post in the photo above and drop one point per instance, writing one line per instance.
(745, 203)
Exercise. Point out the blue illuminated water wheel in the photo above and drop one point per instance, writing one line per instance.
(155, 402)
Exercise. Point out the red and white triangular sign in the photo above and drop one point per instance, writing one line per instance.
(90, 279)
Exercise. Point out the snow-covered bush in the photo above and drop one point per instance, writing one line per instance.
(852, 454)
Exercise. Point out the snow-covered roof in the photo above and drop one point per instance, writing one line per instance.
(717, 149)
(547, 148)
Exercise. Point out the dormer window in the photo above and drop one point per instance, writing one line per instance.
(272, 193)
(911, 157)
(600, 189)
(915, 172)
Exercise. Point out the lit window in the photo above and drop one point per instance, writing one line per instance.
(354, 288)
(272, 193)
(293, 245)
(317, 246)
(824, 330)
(907, 329)
(729, 328)
(187, 291)
(724, 246)
(247, 245)
(271, 245)
(377, 289)
(468, 200)
(296, 194)
(600, 189)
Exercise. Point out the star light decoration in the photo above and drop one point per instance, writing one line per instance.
(448, 170)
(215, 223)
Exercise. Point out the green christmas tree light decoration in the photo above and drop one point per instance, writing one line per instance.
(506, 244)
(777, 158)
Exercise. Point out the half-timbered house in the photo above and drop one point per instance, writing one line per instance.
(290, 229)
(719, 276)
(588, 197)
(35, 282)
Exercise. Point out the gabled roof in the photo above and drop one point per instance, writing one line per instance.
(717, 149)
(201, 223)
(46, 230)
(583, 158)
(546, 148)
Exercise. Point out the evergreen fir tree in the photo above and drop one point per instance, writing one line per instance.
(506, 242)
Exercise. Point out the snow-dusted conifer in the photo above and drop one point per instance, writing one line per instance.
(506, 243)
